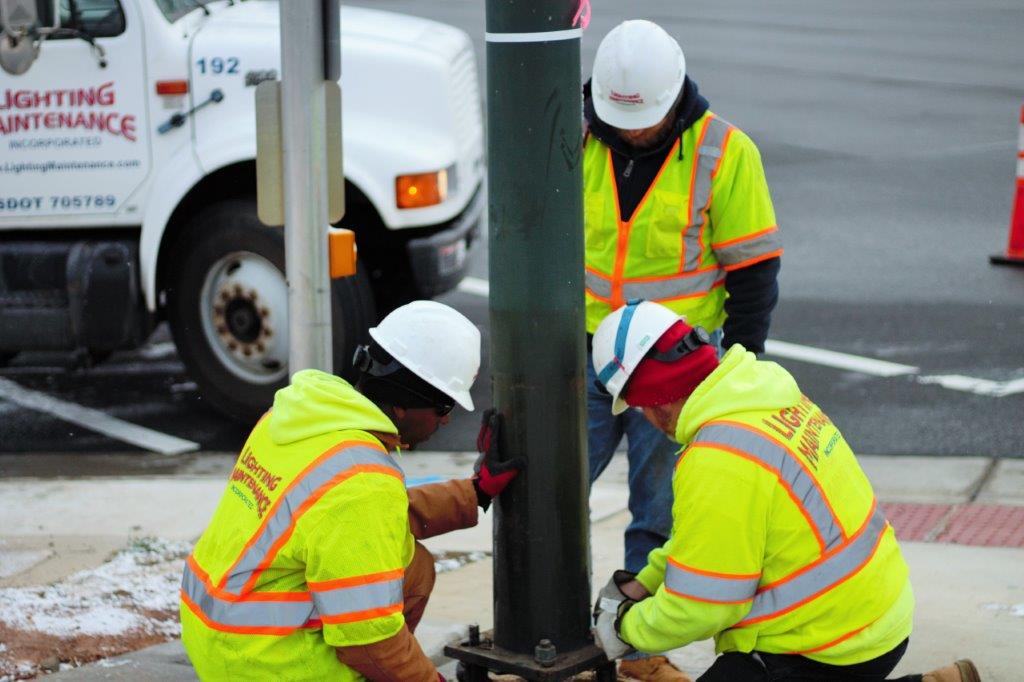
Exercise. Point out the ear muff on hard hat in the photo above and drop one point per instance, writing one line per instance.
(681, 359)
(638, 72)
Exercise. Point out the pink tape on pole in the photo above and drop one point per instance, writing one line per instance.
(582, 15)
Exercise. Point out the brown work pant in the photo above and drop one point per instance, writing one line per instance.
(433, 510)
(419, 582)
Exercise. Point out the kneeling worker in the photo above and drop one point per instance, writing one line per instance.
(779, 549)
(310, 569)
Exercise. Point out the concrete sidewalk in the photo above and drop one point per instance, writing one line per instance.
(970, 598)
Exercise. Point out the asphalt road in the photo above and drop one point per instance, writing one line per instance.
(888, 133)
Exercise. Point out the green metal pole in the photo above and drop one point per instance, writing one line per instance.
(534, 113)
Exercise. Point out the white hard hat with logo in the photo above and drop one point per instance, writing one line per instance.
(623, 339)
(436, 343)
(638, 71)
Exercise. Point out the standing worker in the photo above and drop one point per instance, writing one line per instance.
(778, 549)
(310, 568)
(676, 210)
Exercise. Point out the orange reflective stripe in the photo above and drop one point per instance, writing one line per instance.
(793, 473)
(829, 645)
(303, 508)
(753, 261)
(694, 171)
(622, 247)
(368, 614)
(355, 580)
(252, 596)
(711, 191)
(331, 468)
(270, 514)
(810, 582)
(709, 586)
(778, 475)
(745, 238)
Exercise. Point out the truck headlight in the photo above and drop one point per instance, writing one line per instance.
(421, 189)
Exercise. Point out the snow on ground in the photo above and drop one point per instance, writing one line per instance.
(108, 600)
(130, 601)
(127, 603)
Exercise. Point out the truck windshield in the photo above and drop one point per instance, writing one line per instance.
(176, 9)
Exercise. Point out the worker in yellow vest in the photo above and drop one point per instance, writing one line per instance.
(310, 568)
(779, 549)
(676, 210)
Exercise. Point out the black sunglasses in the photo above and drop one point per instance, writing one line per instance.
(442, 409)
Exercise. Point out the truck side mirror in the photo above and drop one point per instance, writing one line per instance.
(21, 24)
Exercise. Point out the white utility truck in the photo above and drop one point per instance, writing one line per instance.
(127, 180)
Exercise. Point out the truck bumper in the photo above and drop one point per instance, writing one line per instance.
(439, 262)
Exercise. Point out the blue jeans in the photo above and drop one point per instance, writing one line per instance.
(652, 457)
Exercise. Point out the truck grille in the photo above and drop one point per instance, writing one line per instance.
(466, 100)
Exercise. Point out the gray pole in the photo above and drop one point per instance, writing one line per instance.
(303, 118)
(534, 113)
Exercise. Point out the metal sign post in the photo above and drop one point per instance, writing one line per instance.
(309, 42)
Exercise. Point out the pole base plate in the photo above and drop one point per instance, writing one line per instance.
(485, 656)
(1004, 259)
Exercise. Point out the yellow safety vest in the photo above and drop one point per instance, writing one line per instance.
(703, 215)
(778, 543)
(305, 552)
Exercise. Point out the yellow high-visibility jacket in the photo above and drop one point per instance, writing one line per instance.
(706, 213)
(307, 548)
(778, 543)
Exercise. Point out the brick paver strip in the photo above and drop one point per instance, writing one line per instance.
(913, 522)
(986, 525)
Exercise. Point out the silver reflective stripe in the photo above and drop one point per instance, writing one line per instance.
(709, 588)
(345, 600)
(598, 285)
(747, 249)
(258, 614)
(807, 585)
(281, 520)
(789, 470)
(675, 286)
(707, 159)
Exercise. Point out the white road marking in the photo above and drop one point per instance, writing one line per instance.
(844, 361)
(958, 382)
(829, 358)
(94, 420)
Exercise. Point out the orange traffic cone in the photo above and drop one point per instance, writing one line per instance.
(1015, 248)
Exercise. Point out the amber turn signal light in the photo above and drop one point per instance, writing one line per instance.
(342, 248)
(421, 189)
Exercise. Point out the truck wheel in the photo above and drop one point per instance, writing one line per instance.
(227, 304)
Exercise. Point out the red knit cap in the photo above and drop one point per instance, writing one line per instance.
(654, 382)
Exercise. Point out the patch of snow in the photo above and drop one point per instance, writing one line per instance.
(1017, 610)
(451, 561)
(107, 600)
(110, 663)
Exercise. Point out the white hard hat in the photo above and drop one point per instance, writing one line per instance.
(638, 71)
(623, 339)
(436, 343)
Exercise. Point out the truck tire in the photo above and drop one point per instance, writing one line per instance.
(227, 305)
